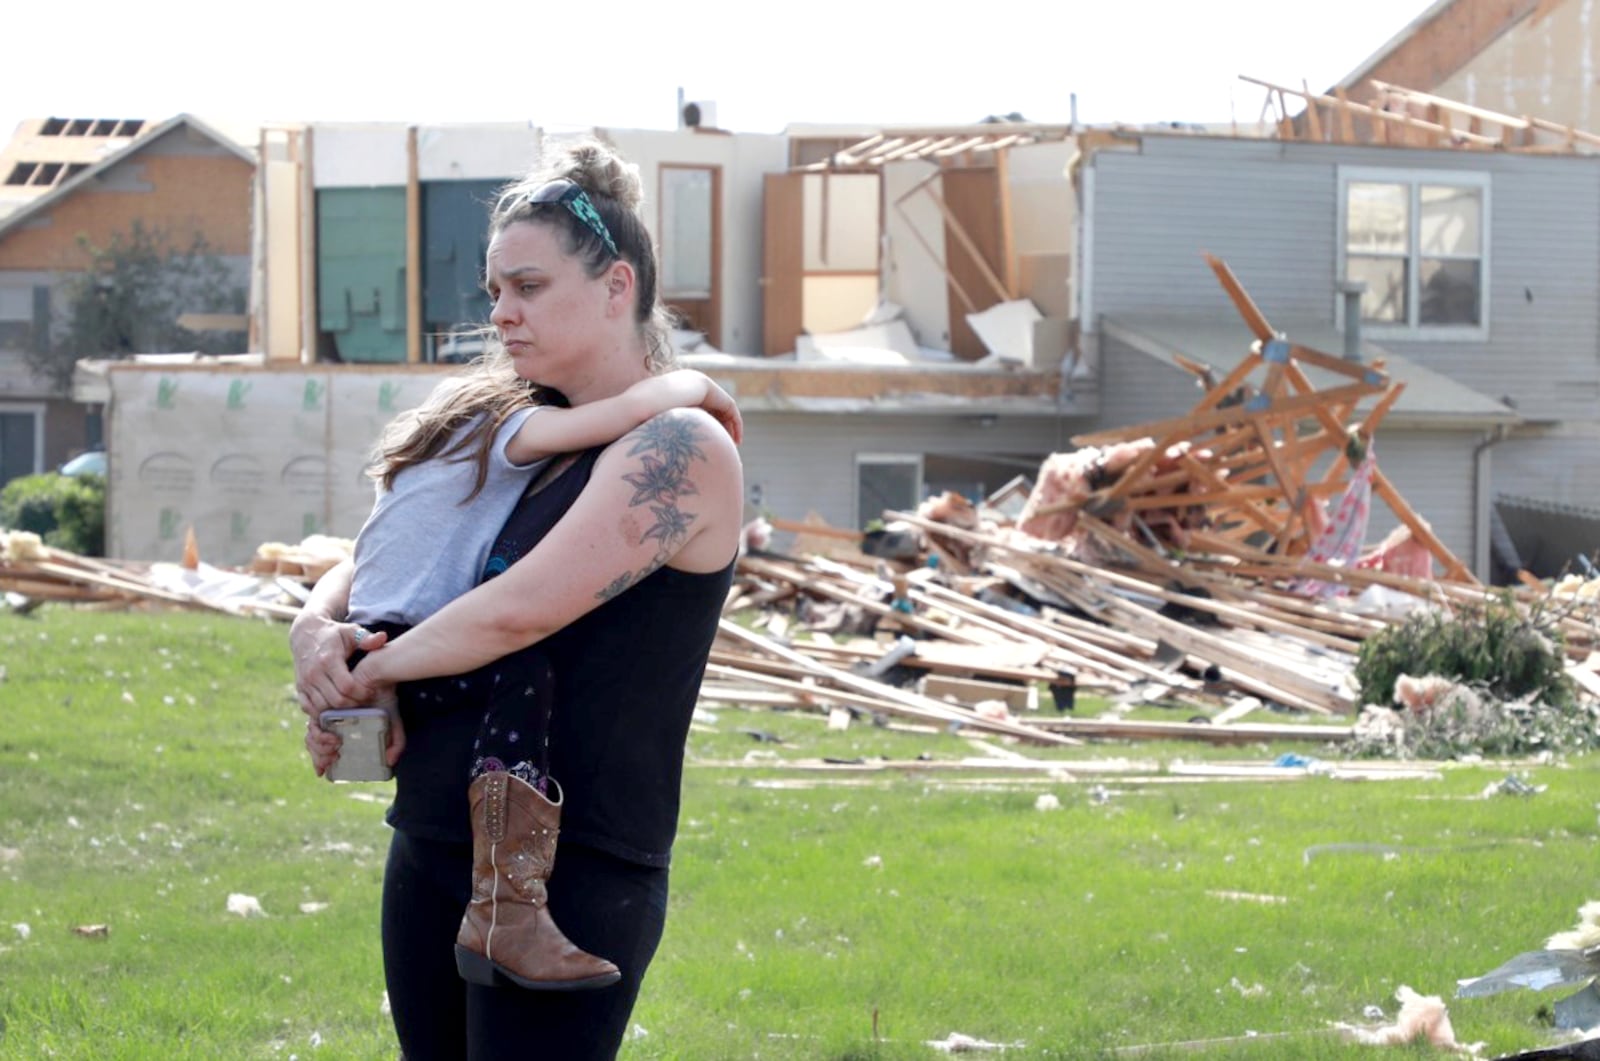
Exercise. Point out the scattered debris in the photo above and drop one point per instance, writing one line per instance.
(1249, 897)
(1421, 1017)
(1584, 1050)
(92, 931)
(1568, 958)
(1250, 991)
(38, 572)
(957, 1043)
(245, 905)
(22, 929)
(1512, 785)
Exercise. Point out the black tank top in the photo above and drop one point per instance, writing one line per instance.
(627, 675)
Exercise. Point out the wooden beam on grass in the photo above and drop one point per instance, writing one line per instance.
(920, 707)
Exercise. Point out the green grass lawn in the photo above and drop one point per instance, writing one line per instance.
(150, 766)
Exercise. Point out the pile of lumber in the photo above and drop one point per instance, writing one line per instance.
(1251, 471)
(1211, 561)
(980, 648)
(32, 572)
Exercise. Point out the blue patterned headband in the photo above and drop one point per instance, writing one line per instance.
(576, 200)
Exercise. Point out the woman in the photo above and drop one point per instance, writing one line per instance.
(611, 575)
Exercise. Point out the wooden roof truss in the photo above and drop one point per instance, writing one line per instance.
(1253, 442)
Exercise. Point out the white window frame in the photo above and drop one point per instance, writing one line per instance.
(914, 459)
(1413, 179)
(37, 409)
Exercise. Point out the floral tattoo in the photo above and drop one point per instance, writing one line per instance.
(667, 444)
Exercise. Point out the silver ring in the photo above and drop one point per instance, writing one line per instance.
(360, 635)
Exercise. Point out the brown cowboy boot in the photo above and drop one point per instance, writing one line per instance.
(508, 933)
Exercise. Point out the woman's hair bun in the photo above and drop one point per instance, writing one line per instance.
(596, 169)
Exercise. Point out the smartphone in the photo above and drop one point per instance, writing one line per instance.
(364, 736)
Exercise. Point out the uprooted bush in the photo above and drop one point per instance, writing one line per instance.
(1506, 690)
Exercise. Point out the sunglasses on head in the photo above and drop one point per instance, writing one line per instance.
(578, 203)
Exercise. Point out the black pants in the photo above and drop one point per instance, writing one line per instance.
(608, 907)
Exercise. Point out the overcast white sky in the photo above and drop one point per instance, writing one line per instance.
(621, 63)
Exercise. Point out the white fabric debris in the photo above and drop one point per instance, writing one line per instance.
(245, 905)
(958, 1043)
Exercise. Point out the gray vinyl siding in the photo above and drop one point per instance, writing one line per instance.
(1433, 471)
(1271, 211)
(1564, 470)
(1136, 388)
(801, 463)
(1157, 211)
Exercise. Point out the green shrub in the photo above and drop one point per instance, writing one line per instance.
(1511, 661)
(67, 511)
(1495, 648)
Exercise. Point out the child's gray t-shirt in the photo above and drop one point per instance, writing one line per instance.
(422, 547)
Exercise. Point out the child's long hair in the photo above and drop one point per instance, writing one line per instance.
(488, 393)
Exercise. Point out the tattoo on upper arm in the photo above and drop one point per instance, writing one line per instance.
(666, 445)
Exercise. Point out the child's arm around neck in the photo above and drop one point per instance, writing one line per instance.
(554, 430)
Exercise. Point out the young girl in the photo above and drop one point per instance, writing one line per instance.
(467, 454)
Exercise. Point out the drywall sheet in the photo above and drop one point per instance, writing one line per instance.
(913, 266)
(1043, 206)
(243, 456)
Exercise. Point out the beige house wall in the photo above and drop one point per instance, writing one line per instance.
(1544, 67)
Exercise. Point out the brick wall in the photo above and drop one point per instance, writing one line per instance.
(182, 194)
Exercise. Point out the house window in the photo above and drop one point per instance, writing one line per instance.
(886, 481)
(21, 440)
(1419, 241)
(691, 234)
(16, 316)
(687, 203)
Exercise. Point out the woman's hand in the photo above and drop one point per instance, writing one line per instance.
(322, 680)
(323, 746)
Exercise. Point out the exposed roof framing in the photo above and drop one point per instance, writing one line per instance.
(1405, 117)
(899, 145)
